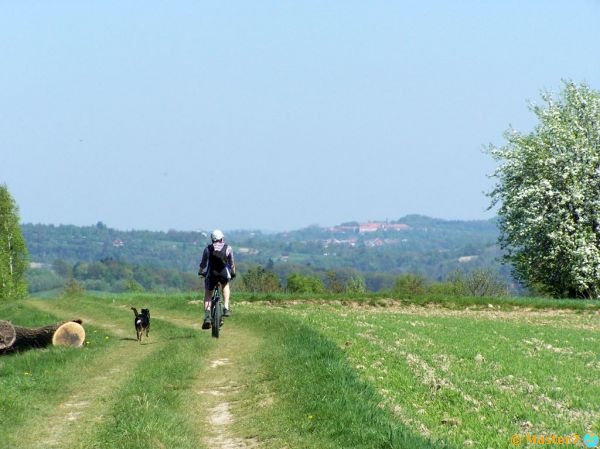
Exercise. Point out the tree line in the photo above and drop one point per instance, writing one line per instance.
(110, 275)
(431, 248)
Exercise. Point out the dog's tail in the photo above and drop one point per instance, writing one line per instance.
(134, 311)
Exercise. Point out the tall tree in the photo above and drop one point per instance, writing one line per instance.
(13, 252)
(548, 192)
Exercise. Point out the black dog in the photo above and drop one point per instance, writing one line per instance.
(141, 322)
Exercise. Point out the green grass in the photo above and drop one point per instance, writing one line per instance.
(460, 302)
(140, 413)
(149, 411)
(383, 299)
(321, 401)
(325, 372)
(473, 379)
(34, 381)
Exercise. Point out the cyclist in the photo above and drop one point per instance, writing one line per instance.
(216, 266)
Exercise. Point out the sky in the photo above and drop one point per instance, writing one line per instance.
(273, 115)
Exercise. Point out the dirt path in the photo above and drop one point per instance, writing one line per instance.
(85, 405)
(220, 383)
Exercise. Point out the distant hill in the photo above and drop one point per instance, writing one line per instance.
(414, 243)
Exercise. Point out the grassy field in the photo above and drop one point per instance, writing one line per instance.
(307, 373)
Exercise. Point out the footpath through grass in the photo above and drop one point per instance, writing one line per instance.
(114, 392)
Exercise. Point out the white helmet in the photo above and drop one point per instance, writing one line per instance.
(216, 235)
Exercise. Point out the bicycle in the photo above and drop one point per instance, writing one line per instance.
(216, 311)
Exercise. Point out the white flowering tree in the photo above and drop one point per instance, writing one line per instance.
(548, 195)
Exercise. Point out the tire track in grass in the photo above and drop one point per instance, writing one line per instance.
(85, 405)
(219, 384)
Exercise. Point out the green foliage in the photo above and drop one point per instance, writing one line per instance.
(260, 280)
(43, 279)
(410, 285)
(297, 283)
(62, 268)
(133, 286)
(73, 289)
(356, 284)
(429, 247)
(477, 283)
(334, 285)
(474, 283)
(13, 252)
(118, 276)
(548, 189)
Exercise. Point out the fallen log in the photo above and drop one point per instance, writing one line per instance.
(17, 338)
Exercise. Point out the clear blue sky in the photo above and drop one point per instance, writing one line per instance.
(272, 115)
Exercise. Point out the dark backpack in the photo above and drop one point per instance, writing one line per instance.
(217, 260)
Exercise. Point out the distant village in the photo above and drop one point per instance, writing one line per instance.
(366, 228)
(357, 232)
(463, 241)
(347, 228)
(371, 226)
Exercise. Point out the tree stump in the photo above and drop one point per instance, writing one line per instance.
(16, 338)
(7, 335)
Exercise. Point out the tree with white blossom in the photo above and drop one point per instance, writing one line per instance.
(548, 195)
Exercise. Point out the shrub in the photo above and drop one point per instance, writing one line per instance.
(296, 283)
(260, 280)
(73, 288)
(478, 282)
(409, 285)
(356, 284)
(40, 279)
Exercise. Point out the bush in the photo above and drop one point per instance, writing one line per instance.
(296, 283)
(410, 285)
(478, 282)
(73, 288)
(356, 284)
(448, 288)
(260, 280)
(98, 285)
(39, 280)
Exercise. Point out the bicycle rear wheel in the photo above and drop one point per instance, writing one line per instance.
(216, 319)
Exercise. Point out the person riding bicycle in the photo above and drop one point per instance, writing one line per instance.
(217, 266)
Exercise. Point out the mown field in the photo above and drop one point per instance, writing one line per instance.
(304, 374)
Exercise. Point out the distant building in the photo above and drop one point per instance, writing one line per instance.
(374, 243)
(397, 227)
(381, 226)
(247, 251)
(369, 227)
